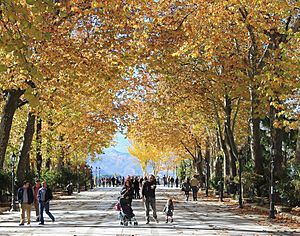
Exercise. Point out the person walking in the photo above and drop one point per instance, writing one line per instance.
(44, 196)
(195, 187)
(168, 210)
(35, 190)
(148, 196)
(172, 181)
(25, 199)
(186, 187)
(136, 186)
(177, 182)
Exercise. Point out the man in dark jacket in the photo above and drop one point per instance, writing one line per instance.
(25, 199)
(44, 196)
(148, 195)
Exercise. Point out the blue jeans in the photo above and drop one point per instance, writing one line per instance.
(42, 206)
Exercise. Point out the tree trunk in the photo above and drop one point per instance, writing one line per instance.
(8, 112)
(198, 161)
(39, 157)
(298, 147)
(26, 145)
(207, 162)
(277, 139)
(255, 146)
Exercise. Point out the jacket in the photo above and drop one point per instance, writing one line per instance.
(29, 194)
(148, 189)
(48, 195)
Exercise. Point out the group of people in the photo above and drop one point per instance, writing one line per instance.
(148, 185)
(191, 184)
(40, 195)
(170, 181)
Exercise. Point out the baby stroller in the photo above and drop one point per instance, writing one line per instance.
(125, 212)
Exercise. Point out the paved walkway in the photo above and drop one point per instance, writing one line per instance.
(92, 213)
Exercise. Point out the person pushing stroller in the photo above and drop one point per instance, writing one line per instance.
(124, 205)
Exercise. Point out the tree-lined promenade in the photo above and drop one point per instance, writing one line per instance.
(200, 88)
(92, 213)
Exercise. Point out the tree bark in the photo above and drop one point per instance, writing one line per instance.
(39, 157)
(298, 148)
(26, 145)
(255, 145)
(8, 112)
(277, 139)
(229, 136)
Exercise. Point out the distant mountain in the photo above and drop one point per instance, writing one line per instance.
(115, 162)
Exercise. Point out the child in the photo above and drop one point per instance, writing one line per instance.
(168, 210)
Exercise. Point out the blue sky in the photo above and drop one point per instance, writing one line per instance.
(122, 143)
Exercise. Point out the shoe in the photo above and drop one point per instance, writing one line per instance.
(171, 220)
(53, 221)
(156, 220)
(41, 223)
(166, 221)
(21, 224)
(147, 222)
(28, 223)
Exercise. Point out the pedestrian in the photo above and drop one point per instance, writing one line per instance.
(176, 182)
(148, 196)
(168, 210)
(35, 189)
(113, 180)
(186, 187)
(195, 187)
(44, 196)
(25, 199)
(165, 180)
(172, 181)
(127, 191)
(141, 181)
(136, 186)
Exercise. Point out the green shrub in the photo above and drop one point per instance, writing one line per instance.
(60, 179)
(5, 183)
(289, 186)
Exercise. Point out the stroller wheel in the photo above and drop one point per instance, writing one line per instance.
(135, 223)
(130, 222)
(126, 224)
(121, 223)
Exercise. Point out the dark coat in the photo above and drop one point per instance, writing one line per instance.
(48, 195)
(127, 192)
(29, 194)
(148, 189)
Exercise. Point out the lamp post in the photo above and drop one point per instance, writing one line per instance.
(91, 178)
(13, 159)
(240, 181)
(39, 162)
(272, 187)
(78, 184)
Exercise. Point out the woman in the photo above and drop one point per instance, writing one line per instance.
(186, 187)
(127, 191)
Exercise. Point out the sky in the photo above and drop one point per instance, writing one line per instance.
(122, 144)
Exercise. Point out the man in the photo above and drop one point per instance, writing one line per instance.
(35, 189)
(25, 199)
(148, 196)
(195, 187)
(44, 196)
